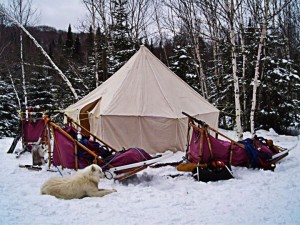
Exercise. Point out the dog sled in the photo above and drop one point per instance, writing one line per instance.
(210, 159)
(34, 135)
(74, 147)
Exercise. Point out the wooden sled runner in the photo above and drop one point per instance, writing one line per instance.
(210, 159)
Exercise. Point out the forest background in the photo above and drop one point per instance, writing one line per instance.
(243, 56)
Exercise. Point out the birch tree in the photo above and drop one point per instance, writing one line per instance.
(188, 17)
(139, 18)
(91, 7)
(258, 74)
(241, 24)
(230, 11)
(257, 66)
(23, 13)
(14, 21)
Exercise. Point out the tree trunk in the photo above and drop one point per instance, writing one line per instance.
(104, 64)
(42, 51)
(14, 87)
(257, 67)
(22, 60)
(256, 80)
(244, 62)
(95, 47)
(23, 70)
(230, 13)
(161, 37)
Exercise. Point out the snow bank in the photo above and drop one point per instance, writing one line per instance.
(153, 197)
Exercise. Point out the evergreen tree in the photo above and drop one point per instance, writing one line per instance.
(221, 87)
(9, 123)
(77, 52)
(69, 43)
(90, 60)
(122, 45)
(90, 42)
(182, 64)
(279, 90)
(89, 71)
(40, 94)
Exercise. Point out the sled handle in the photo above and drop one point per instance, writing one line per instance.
(194, 119)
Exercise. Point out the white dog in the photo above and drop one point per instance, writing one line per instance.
(83, 184)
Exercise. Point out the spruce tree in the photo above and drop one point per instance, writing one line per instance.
(69, 43)
(9, 123)
(182, 64)
(279, 89)
(77, 53)
(122, 45)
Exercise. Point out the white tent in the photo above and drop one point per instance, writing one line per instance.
(141, 106)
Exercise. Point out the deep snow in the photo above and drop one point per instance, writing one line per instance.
(153, 197)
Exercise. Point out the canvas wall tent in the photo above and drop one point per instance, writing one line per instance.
(141, 106)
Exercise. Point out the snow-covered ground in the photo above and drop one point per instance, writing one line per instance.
(153, 197)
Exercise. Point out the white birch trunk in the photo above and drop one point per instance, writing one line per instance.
(23, 72)
(195, 22)
(161, 36)
(257, 66)
(256, 75)
(95, 43)
(244, 73)
(42, 51)
(22, 61)
(14, 87)
(201, 71)
(78, 76)
(244, 61)
(230, 13)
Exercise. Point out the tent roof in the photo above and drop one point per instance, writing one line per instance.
(144, 86)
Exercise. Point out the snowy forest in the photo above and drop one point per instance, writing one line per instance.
(243, 56)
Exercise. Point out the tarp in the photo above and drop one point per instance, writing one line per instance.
(141, 106)
(220, 150)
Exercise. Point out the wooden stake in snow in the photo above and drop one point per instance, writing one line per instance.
(3, 12)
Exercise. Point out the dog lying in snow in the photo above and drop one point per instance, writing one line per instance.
(83, 184)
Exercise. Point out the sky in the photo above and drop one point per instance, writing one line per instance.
(58, 13)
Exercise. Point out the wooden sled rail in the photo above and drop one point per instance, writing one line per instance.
(195, 119)
(200, 122)
(71, 120)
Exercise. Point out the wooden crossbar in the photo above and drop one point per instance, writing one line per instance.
(70, 120)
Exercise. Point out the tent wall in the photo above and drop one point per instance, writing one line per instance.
(153, 134)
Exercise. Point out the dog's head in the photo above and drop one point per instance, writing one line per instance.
(98, 170)
(94, 172)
